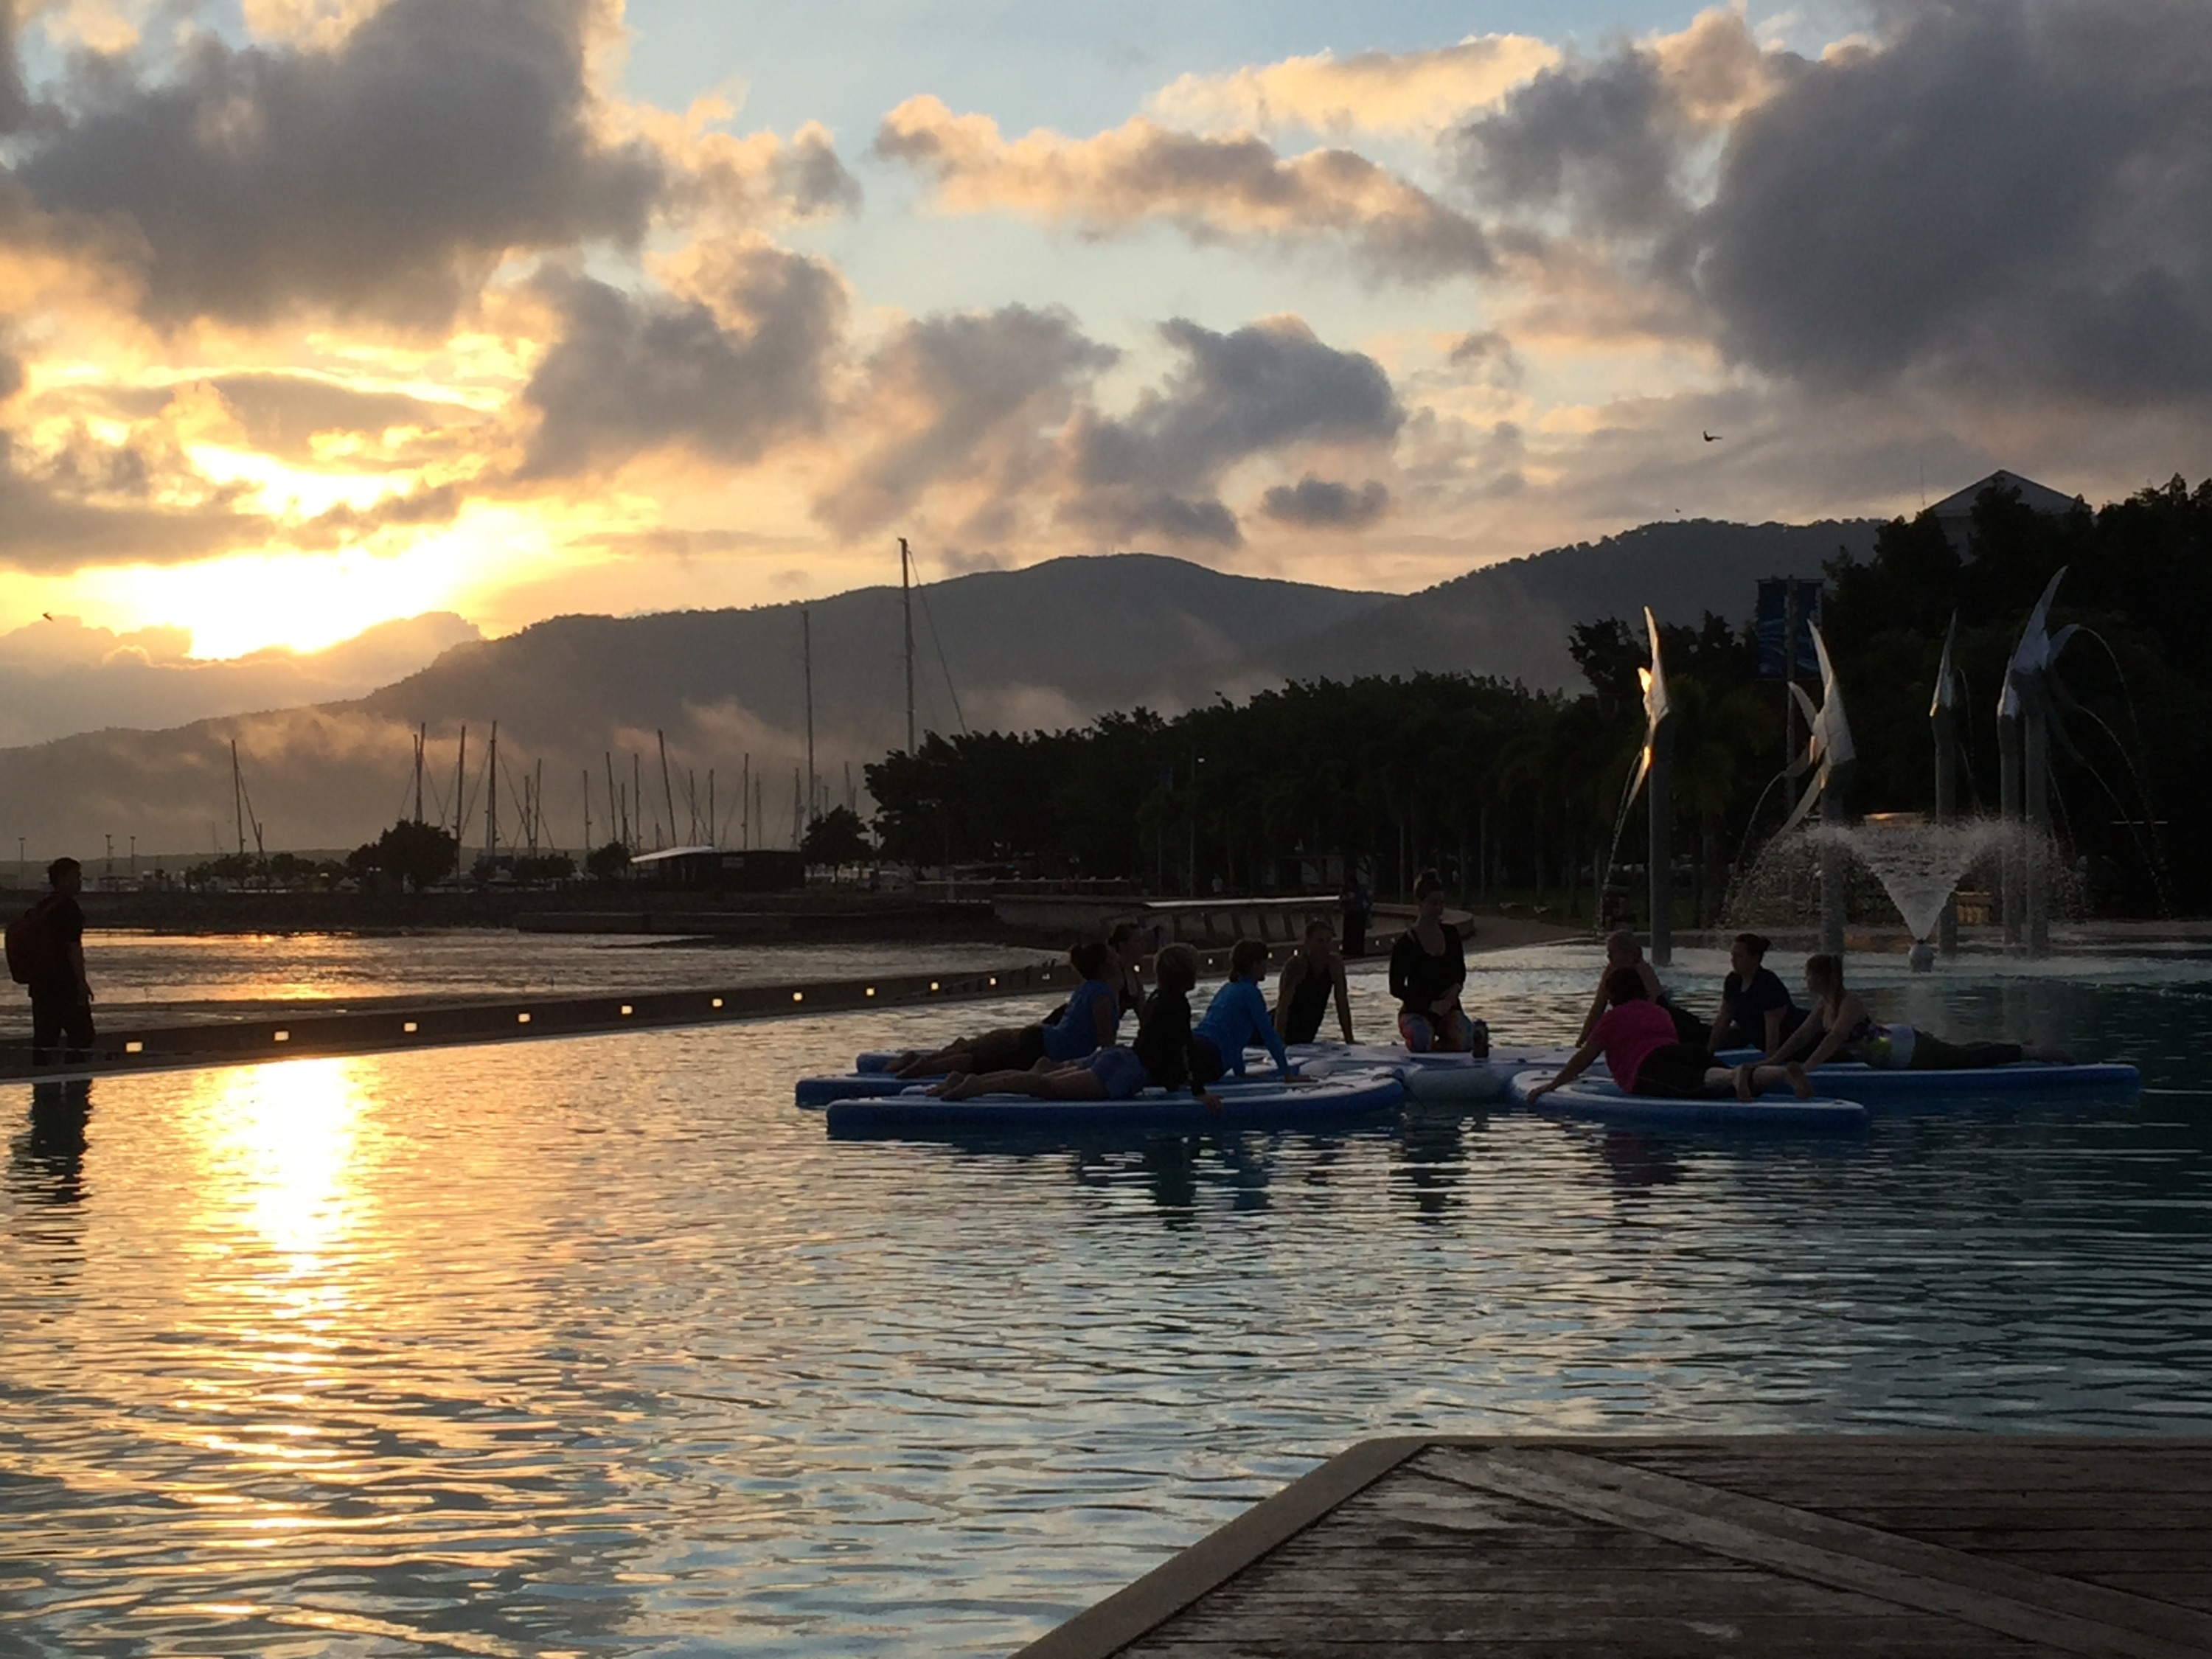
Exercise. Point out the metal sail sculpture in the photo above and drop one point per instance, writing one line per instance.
(1656, 765)
(2027, 718)
(1829, 752)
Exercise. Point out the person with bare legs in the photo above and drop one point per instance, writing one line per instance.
(1163, 1055)
(1840, 1028)
(1091, 1019)
(1637, 1037)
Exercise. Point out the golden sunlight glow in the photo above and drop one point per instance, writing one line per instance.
(291, 491)
(307, 601)
(282, 1139)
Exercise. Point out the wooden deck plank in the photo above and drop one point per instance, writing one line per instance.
(1644, 1547)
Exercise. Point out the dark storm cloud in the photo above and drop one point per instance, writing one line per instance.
(2005, 196)
(967, 397)
(630, 374)
(385, 176)
(1324, 503)
(1262, 388)
(2006, 193)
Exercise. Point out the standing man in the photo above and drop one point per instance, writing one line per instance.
(46, 952)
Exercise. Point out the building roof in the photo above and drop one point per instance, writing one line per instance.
(2037, 498)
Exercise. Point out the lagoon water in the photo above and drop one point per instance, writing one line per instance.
(600, 1347)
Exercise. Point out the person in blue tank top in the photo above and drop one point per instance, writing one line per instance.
(1091, 1018)
(1237, 1015)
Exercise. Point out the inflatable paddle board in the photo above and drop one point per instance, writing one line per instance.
(1264, 1105)
(1880, 1088)
(1605, 1101)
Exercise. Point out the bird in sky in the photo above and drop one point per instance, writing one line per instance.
(1712, 437)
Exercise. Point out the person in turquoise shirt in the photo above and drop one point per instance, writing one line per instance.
(1237, 1015)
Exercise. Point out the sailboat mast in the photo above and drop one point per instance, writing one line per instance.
(421, 741)
(460, 804)
(587, 813)
(238, 797)
(491, 796)
(745, 802)
(806, 669)
(906, 608)
(667, 790)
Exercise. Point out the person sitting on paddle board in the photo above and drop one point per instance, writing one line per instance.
(1637, 1037)
(1840, 1028)
(1622, 951)
(1238, 1015)
(1162, 1056)
(1756, 1008)
(1302, 995)
(1091, 1019)
(1131, 944)
(1428, 971)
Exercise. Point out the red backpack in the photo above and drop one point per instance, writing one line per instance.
(34, 954)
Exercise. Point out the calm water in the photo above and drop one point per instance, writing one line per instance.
(600, 1347)
(139, 976)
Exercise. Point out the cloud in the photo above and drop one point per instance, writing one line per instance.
(1415, 92)
(1264, 388)
(1319, 503)
(1212, 188)
(86, 503)
(2001, 196)
(58, 677)
(1611, 143)
(726, 375)
(967, 401)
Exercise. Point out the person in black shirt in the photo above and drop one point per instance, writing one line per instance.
(61, 996)
(1314, 974)
(1428, 966)
(1756, 1009)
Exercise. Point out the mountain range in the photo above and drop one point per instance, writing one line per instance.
(580, 698)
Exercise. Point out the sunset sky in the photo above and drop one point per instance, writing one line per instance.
(323, 313)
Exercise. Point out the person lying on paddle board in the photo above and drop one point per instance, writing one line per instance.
(1314, 972)
(1091, 1019)
(1637, 1037)
(1622, 951)
(1756, 1007)
(1163, 1055)
(1840, 1028)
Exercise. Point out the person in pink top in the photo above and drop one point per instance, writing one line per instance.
(1646, 1057)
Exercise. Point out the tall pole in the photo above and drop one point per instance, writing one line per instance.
(536, 802)
(238, 797)
(807, 666)
(587, 813)
(2035, 780)
(460, 804)
(1944, 719)
(1789, 671)
(614, 820)
(667, 789)
(1661, 805)
(422, 742)
(491, 796)
(798, 830)
(745, 803)
(906, 608)
(2012, 886)
(713, 823)
(637, 795)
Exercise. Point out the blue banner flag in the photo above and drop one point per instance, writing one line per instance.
(1787, 605)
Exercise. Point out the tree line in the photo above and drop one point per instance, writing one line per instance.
(1511, 790)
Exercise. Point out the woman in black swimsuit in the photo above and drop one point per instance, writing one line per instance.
(1302, 996)
(1428, 966)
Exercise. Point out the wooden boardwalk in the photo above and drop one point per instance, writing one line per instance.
(1803, 1545)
